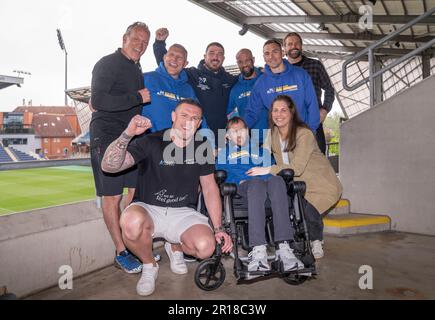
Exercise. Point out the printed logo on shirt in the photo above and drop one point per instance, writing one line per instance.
(167, 163)
(173, 163)
(244, 95)
(170, 95)
(282, 89)
(202, 83)
(226, 85)
(162, 196)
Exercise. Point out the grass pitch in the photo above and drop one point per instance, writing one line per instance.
(27, 189)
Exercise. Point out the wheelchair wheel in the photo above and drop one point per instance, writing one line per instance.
(208, 276)
(295, 279)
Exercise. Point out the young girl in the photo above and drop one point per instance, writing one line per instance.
(294, 146)
(239, 157)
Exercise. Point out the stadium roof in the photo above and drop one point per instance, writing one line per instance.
(6, 81)
(329, 26)
(82, 94)
(331, 32)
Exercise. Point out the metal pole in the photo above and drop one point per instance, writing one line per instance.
(66, 77)
(371, 82)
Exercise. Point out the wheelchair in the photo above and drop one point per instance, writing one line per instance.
(210, 273)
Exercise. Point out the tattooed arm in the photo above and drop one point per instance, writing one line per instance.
(117, 158)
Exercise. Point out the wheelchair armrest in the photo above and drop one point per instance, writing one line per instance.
(220, 176)
(287, 175)
(298, 187)
(228, 189)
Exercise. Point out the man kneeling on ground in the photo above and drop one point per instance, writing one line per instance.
(167, 187)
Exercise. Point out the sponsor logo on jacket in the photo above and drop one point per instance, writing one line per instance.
(282, 89)
(241, 154)
(244, 95)
(202, 83)
(169, 95)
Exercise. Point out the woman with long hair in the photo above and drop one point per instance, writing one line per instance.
(294, 146)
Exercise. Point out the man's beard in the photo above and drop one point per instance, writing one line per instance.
(248, 73)
(294, 53)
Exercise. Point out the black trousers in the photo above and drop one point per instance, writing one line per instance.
(314, 222)
(321, 140)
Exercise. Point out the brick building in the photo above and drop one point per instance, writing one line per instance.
(46, 131)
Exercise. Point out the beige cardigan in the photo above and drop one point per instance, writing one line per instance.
(310, 165)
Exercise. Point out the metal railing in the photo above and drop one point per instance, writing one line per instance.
(370, 52)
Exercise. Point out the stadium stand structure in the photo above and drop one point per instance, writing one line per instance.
(21, 156)
(4, 156)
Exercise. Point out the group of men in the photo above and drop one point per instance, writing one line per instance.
(129, 146)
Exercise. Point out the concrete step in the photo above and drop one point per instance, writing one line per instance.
(342, 207)
(355, 223)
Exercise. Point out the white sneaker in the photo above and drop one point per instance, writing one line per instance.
(288, 258)
(147, 281)
(176, 258)
(258, 259)
(317, 249)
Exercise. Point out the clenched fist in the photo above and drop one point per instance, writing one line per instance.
(138, 125)
(145, 94)
(162, 34)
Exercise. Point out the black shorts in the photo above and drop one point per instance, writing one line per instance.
(110, 184)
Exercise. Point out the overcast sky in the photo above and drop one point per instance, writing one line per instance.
(92, 29)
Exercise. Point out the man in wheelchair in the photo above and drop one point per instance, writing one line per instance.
(246, 165)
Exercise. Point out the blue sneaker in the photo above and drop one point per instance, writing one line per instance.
(127, 262)
(157, 257)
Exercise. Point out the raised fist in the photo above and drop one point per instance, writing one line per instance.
(162, 34)
(138, 125)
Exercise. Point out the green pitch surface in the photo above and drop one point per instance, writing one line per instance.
(27, 189)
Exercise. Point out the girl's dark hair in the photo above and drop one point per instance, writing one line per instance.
(294, 124)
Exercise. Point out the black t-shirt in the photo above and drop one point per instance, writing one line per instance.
(116, 81)
(169, 175)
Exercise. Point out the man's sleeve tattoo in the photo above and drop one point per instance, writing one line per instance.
(117, 158)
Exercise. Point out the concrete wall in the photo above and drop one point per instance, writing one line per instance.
(34, 244)
(387, 159)
(45, 163)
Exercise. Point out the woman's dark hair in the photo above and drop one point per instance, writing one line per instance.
(294, 124)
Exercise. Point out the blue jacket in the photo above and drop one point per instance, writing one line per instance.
(238, 101)
(236, 160)
(165, 93)
(212, 89)
(296, 83)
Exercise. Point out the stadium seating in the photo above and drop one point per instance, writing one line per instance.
(4, 157)
(21, 156)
